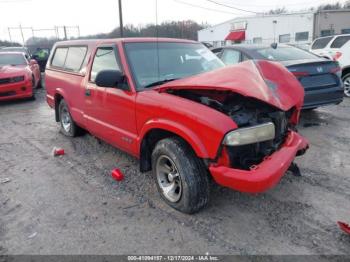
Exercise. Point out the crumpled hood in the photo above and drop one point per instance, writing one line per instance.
(11, 71)
(266, 81)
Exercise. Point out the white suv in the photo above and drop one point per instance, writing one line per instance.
(336, 48)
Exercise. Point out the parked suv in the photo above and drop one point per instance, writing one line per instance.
(336, 48)
(175, 106)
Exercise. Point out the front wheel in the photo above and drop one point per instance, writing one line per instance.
(181, 179)
(346, 81)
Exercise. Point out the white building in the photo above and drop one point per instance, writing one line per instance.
(293, 28)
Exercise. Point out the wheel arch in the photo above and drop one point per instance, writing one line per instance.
(155, 132)
(57, 98)
(345, 71)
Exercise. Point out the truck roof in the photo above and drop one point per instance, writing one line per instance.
(125, 40)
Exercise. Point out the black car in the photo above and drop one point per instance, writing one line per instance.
(320, 77)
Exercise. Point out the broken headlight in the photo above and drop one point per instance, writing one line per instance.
(250, 135)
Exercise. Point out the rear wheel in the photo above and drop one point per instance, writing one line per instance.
(181, 179)
(68, 127)
(346, 81)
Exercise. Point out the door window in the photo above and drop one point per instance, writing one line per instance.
(231, 57)
(105, 59)
(75, 58)
(59, 57)
(340, 41)
(321, 43)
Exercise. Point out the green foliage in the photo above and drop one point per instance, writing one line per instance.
(173, 29)
(277, 11)
(335, 6)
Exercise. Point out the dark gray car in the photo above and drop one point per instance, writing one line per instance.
(320, 77)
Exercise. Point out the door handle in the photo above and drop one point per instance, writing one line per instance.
(87, 92)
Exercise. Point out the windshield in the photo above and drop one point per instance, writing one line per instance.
(285, 54)
(155, 63)
(12, 59)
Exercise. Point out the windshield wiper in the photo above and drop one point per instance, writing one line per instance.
(161, 82)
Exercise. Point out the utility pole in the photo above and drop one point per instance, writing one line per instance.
(65, 32)
(121, 28)
(20, 27)
(10, 34)
(274, 30)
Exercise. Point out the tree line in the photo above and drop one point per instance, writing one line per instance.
(324, 7)
(173, 29)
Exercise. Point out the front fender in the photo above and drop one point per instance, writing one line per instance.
(181, 130)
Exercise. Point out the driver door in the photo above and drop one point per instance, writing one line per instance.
(110, 112)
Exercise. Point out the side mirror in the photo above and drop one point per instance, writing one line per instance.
(109, 78)
(33, 62)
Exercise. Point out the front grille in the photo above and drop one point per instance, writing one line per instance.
(11, 93)
(5, 81)
(246, 156)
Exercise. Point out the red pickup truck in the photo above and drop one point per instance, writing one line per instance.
(175, 106)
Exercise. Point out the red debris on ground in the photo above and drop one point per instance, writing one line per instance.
(58, 152)
(345, 227)
(117, 175)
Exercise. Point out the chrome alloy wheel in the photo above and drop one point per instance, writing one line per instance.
(347, 86)
(66, 120)
(169, 179)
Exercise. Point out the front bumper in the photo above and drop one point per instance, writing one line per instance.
(16, 91)
(265, 175)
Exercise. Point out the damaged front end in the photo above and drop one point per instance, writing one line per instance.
(261, 128)
(265, 106)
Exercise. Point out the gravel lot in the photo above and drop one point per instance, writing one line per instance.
(71, 205)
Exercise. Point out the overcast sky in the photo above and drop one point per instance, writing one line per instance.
(97, 16)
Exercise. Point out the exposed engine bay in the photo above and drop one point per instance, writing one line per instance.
(245, 112)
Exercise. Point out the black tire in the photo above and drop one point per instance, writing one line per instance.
(193, 175)
(39, 85)
(32, 98)
(64, 116)
(346, 81)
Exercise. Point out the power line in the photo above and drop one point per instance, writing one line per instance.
(13, 1)
(232, 7)
(316, 2)
(205, 8)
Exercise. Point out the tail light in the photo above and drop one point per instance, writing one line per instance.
(335, 70)
(300, 74)
(337, 56)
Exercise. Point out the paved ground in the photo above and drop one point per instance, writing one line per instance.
(71, 205)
